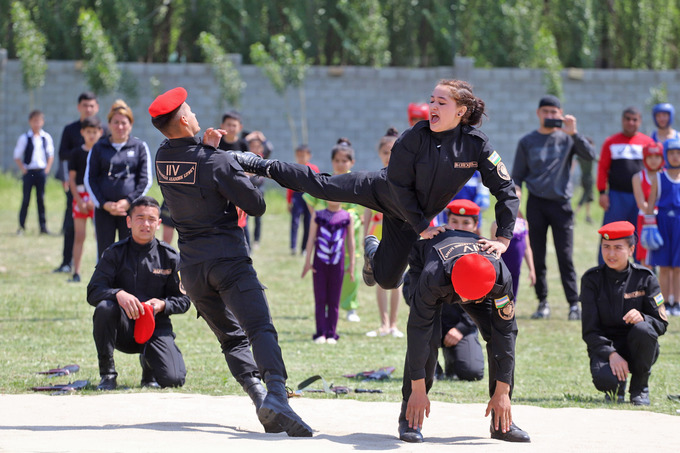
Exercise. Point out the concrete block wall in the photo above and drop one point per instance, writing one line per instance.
(355, 102)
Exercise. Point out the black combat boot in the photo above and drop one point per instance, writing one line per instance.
(148, 379)
(514, 434)
(252, 163)
(370, 246)
(257, 394)
(107, 371)
(275, 409)
(405, 433)
(639, 390)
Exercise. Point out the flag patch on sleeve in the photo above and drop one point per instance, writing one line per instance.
(495, 158)
(658, 299)
(502, 302)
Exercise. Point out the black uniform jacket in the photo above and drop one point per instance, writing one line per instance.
(145, 271)
(202, 187)
(114, 175)
(428, 168)
(607, 295)
(429, 278)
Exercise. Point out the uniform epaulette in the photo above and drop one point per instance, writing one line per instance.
(641, 268)
(475, 132)
(593, 270)
(167, 246)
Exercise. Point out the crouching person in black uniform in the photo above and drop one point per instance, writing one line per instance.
(623, 317)
(202, 187)
(453, 268)
(137, 274)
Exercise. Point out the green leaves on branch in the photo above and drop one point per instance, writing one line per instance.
(284, 66)
(228, 77)
(101, 69)
(30, 47)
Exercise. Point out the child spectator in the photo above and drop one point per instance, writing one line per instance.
(34, 155)
(652, 158)
(83, 207)
(342, 160)
(296, 204)
(518, 250)
(256, 144)
(332, 228)
(373, 225)
(231, 122)
(665, 194)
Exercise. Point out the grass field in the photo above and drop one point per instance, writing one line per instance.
(46, 321)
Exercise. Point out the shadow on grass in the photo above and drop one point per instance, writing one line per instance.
(566, 398)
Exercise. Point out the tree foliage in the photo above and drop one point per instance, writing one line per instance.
(30, 48)
(101, 69)
(516, 33)
(231, 84)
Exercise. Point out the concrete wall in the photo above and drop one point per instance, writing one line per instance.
(356, 102)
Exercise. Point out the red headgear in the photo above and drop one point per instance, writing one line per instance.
(652, 149)
(145, 325)
(463, 207)
(418, 112)
(167, 102)
(617, 230)
(473, 276)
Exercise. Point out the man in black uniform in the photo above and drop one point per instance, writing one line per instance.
(452, 268)
(202, 187)
(137, 274)
(623, 317)
(70, 140)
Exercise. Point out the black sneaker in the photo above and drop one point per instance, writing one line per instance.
(543, 311)
(252, 163)
(75, 278)
(65, 268)
(108, 382)
(640, 398)
(574, 313)
(370, 246)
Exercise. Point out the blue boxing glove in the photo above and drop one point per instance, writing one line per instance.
(651, 238)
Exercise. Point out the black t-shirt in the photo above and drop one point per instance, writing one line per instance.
(77, 162)
(238, 145)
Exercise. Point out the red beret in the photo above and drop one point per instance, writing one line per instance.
(473, 276)
(463, 207)
(617, 230)
(167, 102)
(418, 111)
(145, 325)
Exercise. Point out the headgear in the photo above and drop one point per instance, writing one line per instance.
(145, 325)
(473, 276)
(663, 107)
(463, 207)
(167, 102)
(617, 230)
(418, 112)
(671, 143)
(549, 101)
(652, 149)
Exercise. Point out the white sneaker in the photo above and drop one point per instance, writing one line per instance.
(396, 333)
(372, 333)
(331, 341)
(352, 316)
(320, 340)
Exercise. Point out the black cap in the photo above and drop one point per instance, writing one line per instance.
(549, 101)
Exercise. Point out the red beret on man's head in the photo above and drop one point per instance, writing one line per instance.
(473, 276)
(145, 325)
(463, 207)
(617, 230)
(167, 102)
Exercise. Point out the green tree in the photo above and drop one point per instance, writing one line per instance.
(101, 69)
(228, 77)
(30, 47)
(286, 68)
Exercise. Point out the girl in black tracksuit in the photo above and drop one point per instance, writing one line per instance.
(430, 163)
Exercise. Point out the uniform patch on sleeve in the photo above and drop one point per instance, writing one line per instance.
(658, 299)
(502, 302)
(176, 172)
(503, 171)
(508, 311)
(494, 158)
